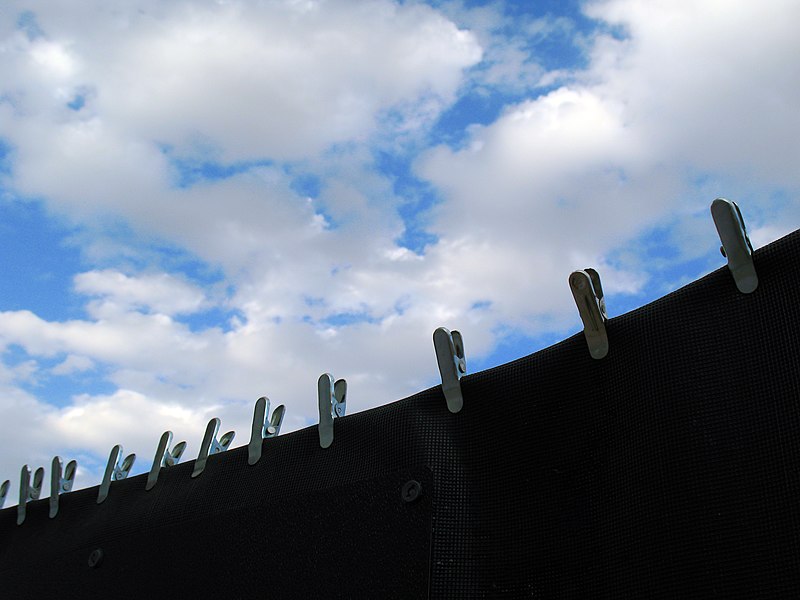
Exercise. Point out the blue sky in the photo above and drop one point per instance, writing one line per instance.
(205, 202)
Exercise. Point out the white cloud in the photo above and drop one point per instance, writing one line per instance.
(98, 423)
(563, 180)
(549, 187)
(25, 439)
(249, 80)
(88, 428)
(73, 363)
(512, 43)
(764, 235)
(220, 82)
(161, 293)
(708, 83)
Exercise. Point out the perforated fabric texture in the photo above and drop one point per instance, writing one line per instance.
(668, 469)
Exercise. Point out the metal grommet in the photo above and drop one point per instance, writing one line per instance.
(95, 558)
(411, 490)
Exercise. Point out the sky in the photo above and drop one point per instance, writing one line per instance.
(205, 202)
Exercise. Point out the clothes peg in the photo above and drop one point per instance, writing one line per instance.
(210, 445)
(263, 427)
(28, 490)
(588, 293)
(117, 469)
(164, 458)
(4, 492)
(736, 246)
(449, 347)
(332, 403)
(59, 483)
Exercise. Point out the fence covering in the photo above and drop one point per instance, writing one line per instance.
(669, 468)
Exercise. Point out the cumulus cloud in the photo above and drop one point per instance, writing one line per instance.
(73, 363)
(101, 104)
(564, 180)
(281, 80)
(549, 187)
(161, 293)
(706, 82)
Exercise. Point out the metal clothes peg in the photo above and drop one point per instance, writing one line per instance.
(332, 403)
(736, 246)
(28, 490)
(263, 427)
(588, 293)
(210, 445)
(60, 483)
(164, 457)
(4, 492)
(117, 468)
(449, 347)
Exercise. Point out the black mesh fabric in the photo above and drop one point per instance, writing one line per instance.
(668, 469)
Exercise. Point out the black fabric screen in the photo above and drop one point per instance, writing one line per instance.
(668, 469)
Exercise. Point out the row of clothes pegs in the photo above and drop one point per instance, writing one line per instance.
(119, 466)
(586, 289)
(736, 247)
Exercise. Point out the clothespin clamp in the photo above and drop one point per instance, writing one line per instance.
(59, 483)
(117, 469)
(28, 490)
(4, 492)
(263, 427)
(210, 445)
(449, 347)
(736, 246)
(588, 293)
(332, 403)
(164, 457)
